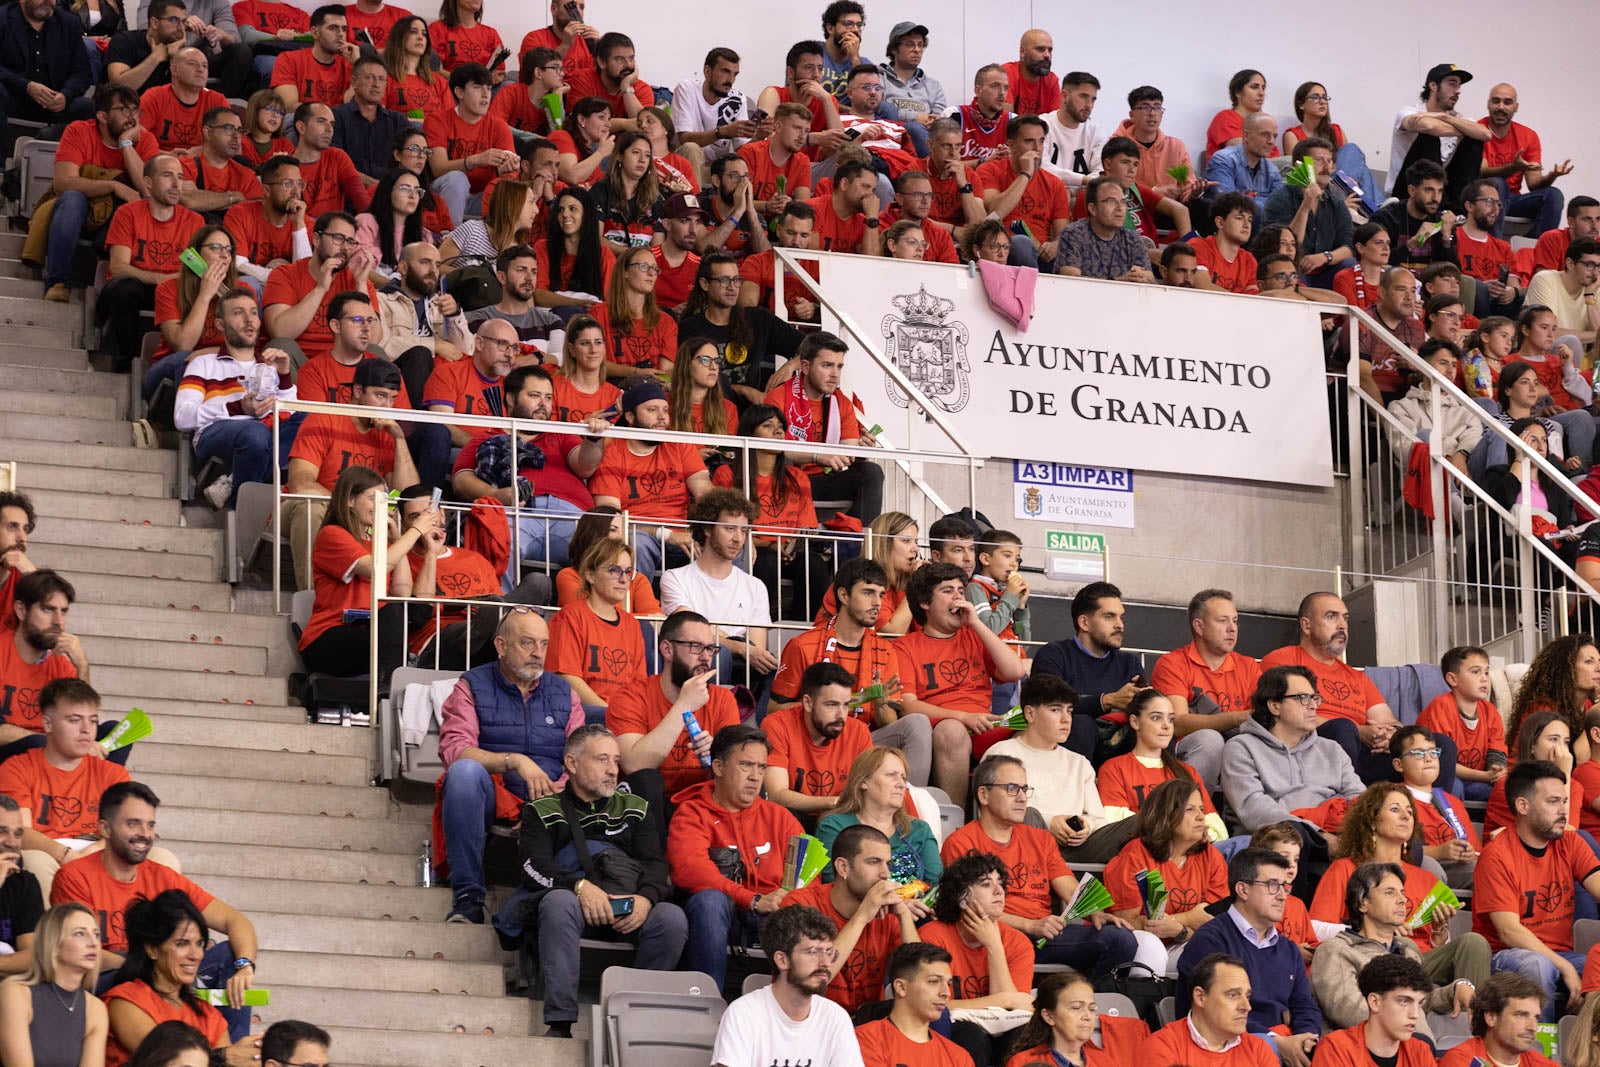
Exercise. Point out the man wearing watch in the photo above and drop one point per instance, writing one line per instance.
(108, 881)
(1320, 221)
(213, 181)
(847, 220)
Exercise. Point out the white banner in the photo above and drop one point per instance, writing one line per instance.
(1108, 374)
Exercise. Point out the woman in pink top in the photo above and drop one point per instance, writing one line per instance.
(385, 234)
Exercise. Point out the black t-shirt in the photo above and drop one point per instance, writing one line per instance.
(133, 47)
(770, 337)
(21, 906)
(1384, 1061)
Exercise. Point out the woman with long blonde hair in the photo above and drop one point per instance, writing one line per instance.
(892, 545)
(874, 795)
(41, 1023)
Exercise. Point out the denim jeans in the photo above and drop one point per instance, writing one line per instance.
(66, 226)
(245, 445)
(660, 942)
(169, 367)
(216, 967)
(430, 447)
(1089, 951)
(454, 188)
(466, 808)
(715, 925)
(1532, 965)
(540, 534)
(1544, 206)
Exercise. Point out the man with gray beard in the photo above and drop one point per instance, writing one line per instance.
(571, 844)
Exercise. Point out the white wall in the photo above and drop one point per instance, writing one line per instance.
(1370, 53)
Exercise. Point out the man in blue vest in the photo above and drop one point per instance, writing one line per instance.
(502, 733)
(594, 862)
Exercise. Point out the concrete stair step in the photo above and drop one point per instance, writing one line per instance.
(181, 624)
(53, 350)
(25, 399)
(150, 592)
(383, 973)
(312, 864)
(61, 380)
(252, 764)
(20, 280)
(174, 655)
(295, 831)
(400, 903)
(404, 1048)
(61, 334)
(62, 477)
(182, 540)
(86, 431)
(410, 1014)
(242, 714)
(250, 737)
(229, 686)
(135, 563)
(153, 460)
(376, 937)
(102, 506)
(245, 794)
(35, 310)
(11, 243)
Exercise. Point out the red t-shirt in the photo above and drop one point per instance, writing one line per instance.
(1327, 904)
(1031, 98)
(280, 146)
(607, 656)
(167, 310)
(797, 513)
(323, 83)
(1203, 878)
(513, 107)
(176, 124)
(1535, 886)
(1346, 692)
(378, 24)
(325, 379)
(459, 138)
(1483, 259)
(464, 44)
(953, 673)
(1296, 923)
(1351, 283)
(555, 478)
(1497, 815)
(1348, 1048)
(814, 770)
(572, 405)
(81, 144)
(414, 93)
(201, 1016)
(875, 655)
(20, 682)
(60, 803)
(1586, 781)
(830, 233)
(1124, 781)
(969, 964)
(269, 18)
(460, 387)
(947, 197)
(1473, 1050)
(231, 177)
(639, 708)
(154, 245)
(941, 249)
(585, 81)
(759, 268)
(86, 881)
(1181, 671)
(1236, 277)
(332, 183)
(883, 1045)
(1436, 828)
(655, 486)
(541, 253)
(890, 604)
(674, 284)
(641, 346)
(566, 146)
(337, 587)
(1032, 855)
(1473, 744)
(812, 426)
(981, 138)
(255, 238)
(578, 57)
(1549, 254)
(860, 979)
(288, 285)
(1044, 201)
(1500, 151)
(333, 443)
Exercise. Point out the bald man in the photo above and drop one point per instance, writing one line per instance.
(1030, 87)
(1244, 167)
(504, 728)
(1514, 160)
(471, 386)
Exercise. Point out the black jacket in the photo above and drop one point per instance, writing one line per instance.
(66, 63)
(626, 822)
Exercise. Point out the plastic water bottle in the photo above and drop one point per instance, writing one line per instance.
(692, 724)
(425, 865)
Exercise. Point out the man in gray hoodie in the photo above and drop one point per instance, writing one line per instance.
(1278, 763)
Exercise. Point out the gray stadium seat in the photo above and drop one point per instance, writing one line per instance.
(682, 1003)
(420, 763)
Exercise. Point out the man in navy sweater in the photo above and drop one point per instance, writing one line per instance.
(1093, 663)
(1278, 980)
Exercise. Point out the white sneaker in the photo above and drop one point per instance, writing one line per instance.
(218, 492)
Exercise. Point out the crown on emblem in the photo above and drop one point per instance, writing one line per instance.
(923, 306)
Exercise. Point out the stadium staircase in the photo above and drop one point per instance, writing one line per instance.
(277, 817)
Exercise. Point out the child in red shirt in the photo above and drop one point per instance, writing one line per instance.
(1466, 716)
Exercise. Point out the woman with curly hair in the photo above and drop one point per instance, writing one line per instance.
(1564, 678)
(1382, 827)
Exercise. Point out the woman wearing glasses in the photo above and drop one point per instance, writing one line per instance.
(695, 400)
(186, 307)
(1312, 108)
(641, 339)
(595, 644)
(905, 240)
(385, 233)
(598, 523)
(1381, 827)
(410, 152)
(263, 129)
(49, 1016)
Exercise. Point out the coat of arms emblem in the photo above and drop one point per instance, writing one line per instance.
(928, 350)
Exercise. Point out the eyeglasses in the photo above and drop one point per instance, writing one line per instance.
(1282, 277)
(919, 245)
(272, 109)
(415, 149)
(1275, 887)
(1495, 200)
(620, 574)
(497, 344)
(651, 269)
(997, 246)
(1421, 753)
(409, 190)
(1305, 700)
(1153, 109)
(339, 239)
(127, 109)
(1012, 789)
(820, 953)
(695, 648)
(218, 247)
(851, 24)
(359, 320)
(730, 280)
(708, 361)
(1120, 201)
(1318, 98)
(870, 88)
(1588, 264)
(552, 66)
(289, 184)
(229, 127)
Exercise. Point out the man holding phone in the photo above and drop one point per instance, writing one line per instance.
(1092, 662)
(557, 860)
(568, 35)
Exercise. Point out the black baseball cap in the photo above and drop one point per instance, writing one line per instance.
(1444, 70)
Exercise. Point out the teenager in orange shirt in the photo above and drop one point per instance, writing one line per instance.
(813, 743)
(949, 668)
(873, 918)
(991, 962)
(892, 545)
(918, 977)
(1126, 781)
(1396, 991)
(1466, 716)
(649, 717)
(595, 644)
(1225, 265)
(1448, 836)
(469, 145)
